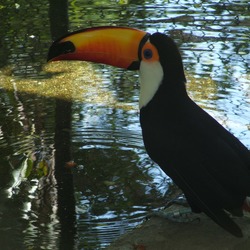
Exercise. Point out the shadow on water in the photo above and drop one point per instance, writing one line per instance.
(58, 14)
(73, 170)
(63, 175)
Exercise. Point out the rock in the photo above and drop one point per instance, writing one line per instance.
(160, 234)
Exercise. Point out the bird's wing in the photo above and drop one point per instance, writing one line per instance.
(202, 197)
(210, 165)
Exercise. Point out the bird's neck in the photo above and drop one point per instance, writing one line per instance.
(154, 81)
(151, 77)
(170, 94)
(164, 109)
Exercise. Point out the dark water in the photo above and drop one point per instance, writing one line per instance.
(73, 170)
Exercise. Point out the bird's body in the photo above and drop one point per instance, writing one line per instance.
(207, 162)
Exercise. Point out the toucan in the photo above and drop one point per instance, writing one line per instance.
(208, 163)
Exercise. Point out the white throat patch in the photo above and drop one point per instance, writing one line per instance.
(151, 76)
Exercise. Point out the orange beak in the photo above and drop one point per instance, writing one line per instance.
(116, 46)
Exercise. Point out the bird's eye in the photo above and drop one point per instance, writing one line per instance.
(148, 53)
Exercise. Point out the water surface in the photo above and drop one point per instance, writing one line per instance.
(74, 173)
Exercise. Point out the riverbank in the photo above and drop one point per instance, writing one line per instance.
(200, 234)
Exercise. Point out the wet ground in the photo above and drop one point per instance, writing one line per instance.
(198, 233)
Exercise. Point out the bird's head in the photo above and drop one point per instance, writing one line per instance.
(156, 56)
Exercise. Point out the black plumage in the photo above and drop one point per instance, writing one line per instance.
(207, 162)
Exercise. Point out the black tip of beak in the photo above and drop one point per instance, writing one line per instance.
(58, 49)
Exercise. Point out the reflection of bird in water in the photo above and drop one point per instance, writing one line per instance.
(208, 163)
